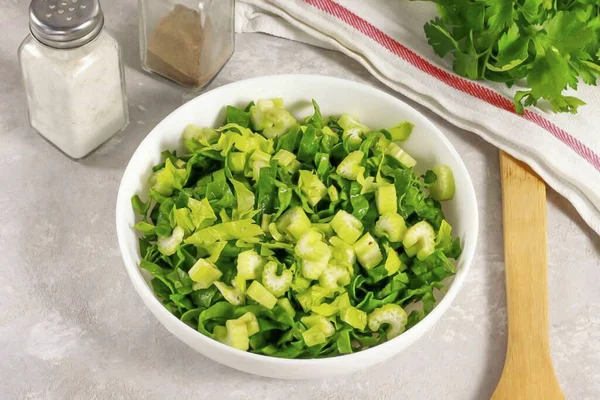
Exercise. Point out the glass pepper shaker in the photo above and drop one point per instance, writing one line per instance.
(186, 41)
(73, 75)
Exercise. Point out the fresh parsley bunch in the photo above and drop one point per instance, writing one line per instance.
(546, 45)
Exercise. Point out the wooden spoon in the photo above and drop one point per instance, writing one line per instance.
(528, 372)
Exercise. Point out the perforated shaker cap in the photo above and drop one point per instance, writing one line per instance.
(65, 24)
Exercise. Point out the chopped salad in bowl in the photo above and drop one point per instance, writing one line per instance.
(296, 238)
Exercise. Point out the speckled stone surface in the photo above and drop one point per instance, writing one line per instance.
(72, 326)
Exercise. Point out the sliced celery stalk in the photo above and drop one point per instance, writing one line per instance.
(251, 323)
(313, 269)
(284, 158)
(400, 155)
(354, 317)
(168, 245)
(444, 187)
(294, 222)
(232, 294)
(390, 225)
(312, 187)
(315, 320)
(419, 240)
(368, 251)
(311, 247)
(261, 295)
(204, 273)
(237, 335)
(287, 306)
(333, 194)
(250, 264)
(349, 167)
(276, 284)
(386, 199)
(334, 276)
(314, 336)
(342, 251)
(402, 131)
(391, 314)
(392, 262)
(347, 226)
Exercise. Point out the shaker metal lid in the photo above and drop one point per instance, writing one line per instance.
(65, 24)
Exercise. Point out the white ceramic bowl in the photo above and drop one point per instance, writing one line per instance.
(335, 96)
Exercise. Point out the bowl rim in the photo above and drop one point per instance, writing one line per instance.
(160, 312)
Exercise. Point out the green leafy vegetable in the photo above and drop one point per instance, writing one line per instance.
(546, 45)
(296, 240)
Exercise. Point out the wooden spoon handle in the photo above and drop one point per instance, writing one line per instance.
(528, 368)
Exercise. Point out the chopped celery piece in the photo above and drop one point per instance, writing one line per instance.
(250, 264)
(220, 333)
(284, 158)
(391, 314)
(400, 155)
(258, 160)
(326, 310)
(319, 329)
(347, 226)
(287, 306)
(353, 130)
(276, 284)
(402, 131)
(193, 136)
(368, 184)
(261, 295)
(392, 262)
(342, 251)
(334, 276)
(237, 335)
(270, 117)
(231, 294)
(300, 283)
(443, 188)
(204, 273)
(251, 323)
(294, 222)
(275, 232)
(350, 167)
(311, 247)
(168, 245)
(386, 199)
(168, 179)
(314, 336)
(391, 226)
(354, 317)
(312, 187)
(368, 252)
(313, 297)
(333, 194)
(313, 269)
(419, 240)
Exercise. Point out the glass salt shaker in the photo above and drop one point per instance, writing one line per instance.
(73, 75)
(186, 41)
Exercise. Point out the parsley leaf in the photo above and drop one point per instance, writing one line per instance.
(550, 45)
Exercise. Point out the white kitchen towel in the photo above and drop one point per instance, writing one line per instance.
(386, 36)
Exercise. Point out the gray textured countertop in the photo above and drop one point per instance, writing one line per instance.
(72, 325)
